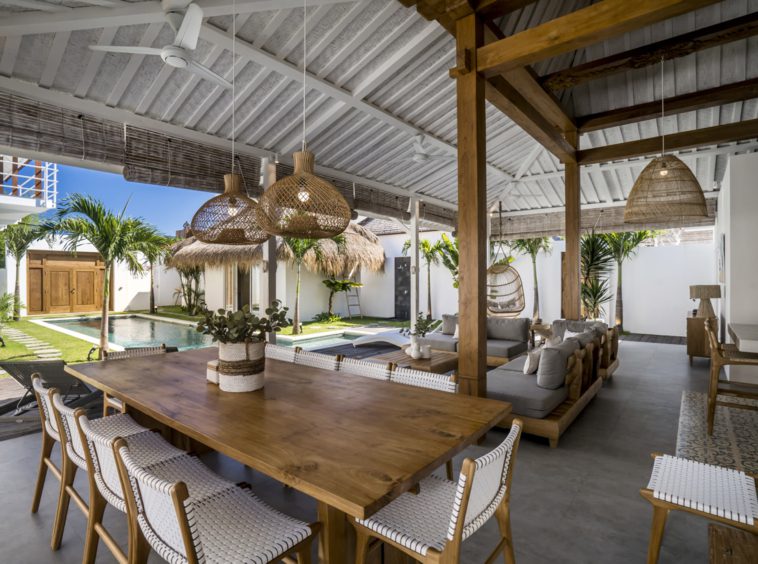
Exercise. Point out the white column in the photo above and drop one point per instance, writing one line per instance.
(414, 260)
(268, 272)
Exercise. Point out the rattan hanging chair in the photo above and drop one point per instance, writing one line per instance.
(505, 291)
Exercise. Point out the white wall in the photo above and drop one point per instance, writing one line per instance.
(737, 221)
(166, 282)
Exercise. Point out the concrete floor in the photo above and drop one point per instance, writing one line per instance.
(576, 504)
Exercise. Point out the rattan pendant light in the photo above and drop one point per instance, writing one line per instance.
(303, 205)
(666, 190)
(230, 218)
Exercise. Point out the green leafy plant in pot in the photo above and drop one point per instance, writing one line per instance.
(421, 327)
(241, 337)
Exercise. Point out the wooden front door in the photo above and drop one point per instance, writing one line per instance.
(60, 282)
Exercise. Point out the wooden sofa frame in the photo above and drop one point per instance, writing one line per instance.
(609, 358)
(580, 368)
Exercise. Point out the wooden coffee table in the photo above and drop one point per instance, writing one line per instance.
(441, 362)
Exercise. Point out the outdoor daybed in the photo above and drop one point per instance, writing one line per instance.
(507, 338)
(549, 400)
(609, 341)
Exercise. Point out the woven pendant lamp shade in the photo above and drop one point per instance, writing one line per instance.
(665, 190)
(230, 218)
(303, 205)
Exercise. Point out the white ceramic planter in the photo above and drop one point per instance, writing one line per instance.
(426, 351)
(211, 372)
(240, 367)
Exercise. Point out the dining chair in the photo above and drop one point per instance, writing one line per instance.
(716, 493)
(365, 368)
(105, 482)
(316, 360)
(278, 352)
(184, 525)
(109, 402)
(727, 355)
(431, 525)
(50, 436)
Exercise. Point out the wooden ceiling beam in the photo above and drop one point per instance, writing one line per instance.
(672, 48)
(454, 10)
(595, 23)
(711, 97)
(677, 141)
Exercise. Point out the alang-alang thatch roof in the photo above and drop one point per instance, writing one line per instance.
(360, 250)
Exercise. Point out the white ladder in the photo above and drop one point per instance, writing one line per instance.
(353, 298)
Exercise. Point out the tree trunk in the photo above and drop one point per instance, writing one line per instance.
(536, 308)
(428, 290)
(331, 302)
(152, 288)
(17, 292)
(296, 316)
(104, 314)
(619, 301)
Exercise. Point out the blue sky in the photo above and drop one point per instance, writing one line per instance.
(166, 208)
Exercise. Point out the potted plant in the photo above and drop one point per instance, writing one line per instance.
(241, 337)
(421, 327)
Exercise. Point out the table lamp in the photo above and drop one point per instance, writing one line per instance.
(704, 293)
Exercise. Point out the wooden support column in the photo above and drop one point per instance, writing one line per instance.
(413, 251)
(268, 272)
(571, 301)
(472, 210)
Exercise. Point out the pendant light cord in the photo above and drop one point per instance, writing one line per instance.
(234, 61)
(663, 113)
(305, 59)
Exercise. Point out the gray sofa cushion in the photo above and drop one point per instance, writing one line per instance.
(448, 323)
(508, 349)
(551, 373)
(439, 341)
(559, 327)
(586, 337)
(522, 392)
(508, 329)
(515, 365)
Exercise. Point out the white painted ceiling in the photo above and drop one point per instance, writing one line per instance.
(377, 76)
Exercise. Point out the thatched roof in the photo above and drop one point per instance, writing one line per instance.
(361, 250)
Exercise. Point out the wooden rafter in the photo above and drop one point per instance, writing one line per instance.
(595, 23)
(453, 10)
(726, 94)
(677, 141)
(640, 57)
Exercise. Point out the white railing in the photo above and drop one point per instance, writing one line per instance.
(27, 178)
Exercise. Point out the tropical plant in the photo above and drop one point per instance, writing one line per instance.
(335, 287)
(326, 317)
(299, 247)
(8, 305)
(423, 325)
(189, 292)
(17, 239)
(243, 326)
(624, 246)
(430, 253)
(447, 249)
(117, 238)
(596, 262)
(152, 258)
(533, 247)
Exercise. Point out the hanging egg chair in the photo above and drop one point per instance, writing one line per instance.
(505, 292)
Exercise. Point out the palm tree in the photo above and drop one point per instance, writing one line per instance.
(153, 257)
(430, 253)
(298, 248)
(447, 249)
(336, 286)
(596, 261)
(623, 246)
(17, 239)
(533, 247)
(116, 238)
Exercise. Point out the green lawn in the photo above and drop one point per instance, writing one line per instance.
(72, 349)
(175, 312)
(312, 327)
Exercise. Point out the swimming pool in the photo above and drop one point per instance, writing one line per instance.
(136, 331)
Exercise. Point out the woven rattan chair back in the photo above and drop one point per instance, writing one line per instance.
(316, 360)
(45, 402)
(163, 510)
(133, 352)
(364, 368)
(71, 439)
(103, 464)
(278, 352)
(483, 485)
(422, 379)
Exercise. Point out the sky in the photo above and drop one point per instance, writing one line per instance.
(165, 208)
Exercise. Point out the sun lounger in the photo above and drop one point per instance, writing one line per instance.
(394, 337)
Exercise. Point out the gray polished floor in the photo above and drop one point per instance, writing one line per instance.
(575, 504)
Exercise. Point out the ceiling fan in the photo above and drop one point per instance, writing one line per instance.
(179, 53)
(420, 154)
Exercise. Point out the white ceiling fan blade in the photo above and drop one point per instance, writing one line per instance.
(189, 31)
(208, 74)
(130, 50)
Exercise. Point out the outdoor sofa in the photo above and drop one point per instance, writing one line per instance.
(607, 354)
(549, 400)
(507, 338)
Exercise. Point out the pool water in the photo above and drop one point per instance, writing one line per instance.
(132, 331)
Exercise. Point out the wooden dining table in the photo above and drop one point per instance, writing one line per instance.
(354, 444)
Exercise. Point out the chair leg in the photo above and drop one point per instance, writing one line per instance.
(96, 509)
(361, 545)
(449, 469)
(105, 404)
(139, 549)
(47, 448)
(713, 390)
(503, 515)
(656, 533)
(304, 554)
(64, 500)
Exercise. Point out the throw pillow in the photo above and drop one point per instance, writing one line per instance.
(553, 341)
(568, 334)
(455, 335)
(448, 323)
(532, 361)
